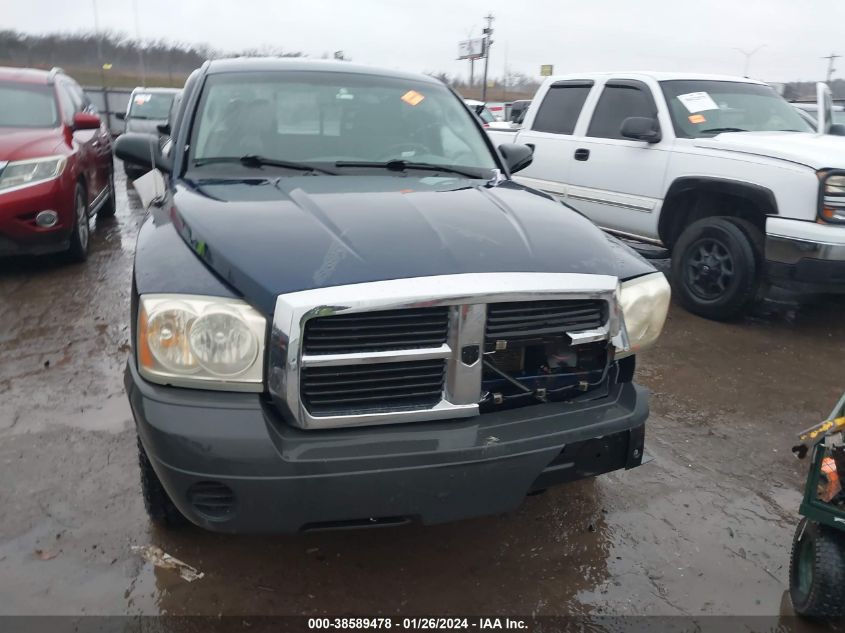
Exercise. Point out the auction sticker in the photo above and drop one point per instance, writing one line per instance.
(412, 97)
(698, 102)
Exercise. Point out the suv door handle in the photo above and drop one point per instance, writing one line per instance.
(582, 154)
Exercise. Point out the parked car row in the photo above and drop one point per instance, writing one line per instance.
(55, 164)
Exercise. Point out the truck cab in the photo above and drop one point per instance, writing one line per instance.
(719, 170)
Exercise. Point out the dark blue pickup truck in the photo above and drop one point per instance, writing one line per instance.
(346, 313)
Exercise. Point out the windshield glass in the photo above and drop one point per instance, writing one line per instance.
(150, 105)
(320, 118)
(706, 108)
(27, 105)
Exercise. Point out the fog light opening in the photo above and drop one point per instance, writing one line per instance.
(47, 219)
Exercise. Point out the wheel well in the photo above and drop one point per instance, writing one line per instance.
(691, 199)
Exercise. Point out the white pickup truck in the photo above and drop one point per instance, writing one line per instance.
(719, 170)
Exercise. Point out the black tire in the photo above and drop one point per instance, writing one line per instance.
(817, 570)
(80, 232)
(716, 272)
(160, 508)
(110, 205)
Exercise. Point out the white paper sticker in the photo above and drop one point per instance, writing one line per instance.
(697, 102)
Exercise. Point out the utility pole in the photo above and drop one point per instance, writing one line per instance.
(748, 55)
(487, 43)
(830, 69)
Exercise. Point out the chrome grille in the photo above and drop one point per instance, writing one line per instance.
(377, 331)
(372, 388)
(408, 350)
(523, 320)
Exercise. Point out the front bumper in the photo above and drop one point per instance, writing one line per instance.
(805, 255)
(285, 479)
(19, 235)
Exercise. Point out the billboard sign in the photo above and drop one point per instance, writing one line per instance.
(547, 70)
(471, 49)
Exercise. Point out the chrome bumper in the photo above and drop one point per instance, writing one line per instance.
(790, 241)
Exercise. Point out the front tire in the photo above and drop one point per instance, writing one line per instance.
(160, 508)
(80, 234)
(716, 272)
(817, 570)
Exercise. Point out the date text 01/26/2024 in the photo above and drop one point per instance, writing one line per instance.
(431, 624)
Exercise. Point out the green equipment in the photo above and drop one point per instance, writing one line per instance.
(817, 563)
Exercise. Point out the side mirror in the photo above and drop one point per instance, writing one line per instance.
(86, 121)
(837, 129)
(517, 157)
(164, 128)
(142, 150)
(120, 115)
(641, 128)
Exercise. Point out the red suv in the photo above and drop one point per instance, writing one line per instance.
(55, 164)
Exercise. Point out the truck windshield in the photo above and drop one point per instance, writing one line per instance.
(326, 119)
(150, 105)
(706, 108)
(27, 105)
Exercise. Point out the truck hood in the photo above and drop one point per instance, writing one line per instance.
(266, 238)
(813, 150)
(20, 143)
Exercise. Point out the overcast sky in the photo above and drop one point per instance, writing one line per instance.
(422, 35)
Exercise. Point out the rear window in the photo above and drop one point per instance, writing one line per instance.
(28, 105)
(559, 111)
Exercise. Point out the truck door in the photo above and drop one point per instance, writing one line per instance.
(615, 181)
(551, 135)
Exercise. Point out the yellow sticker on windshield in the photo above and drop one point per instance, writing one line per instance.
(412, 97)
(697, 118)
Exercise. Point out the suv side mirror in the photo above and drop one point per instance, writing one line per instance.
(142, 150)
(164, 128)
(641, 128)
(517, 157)
(86, 121)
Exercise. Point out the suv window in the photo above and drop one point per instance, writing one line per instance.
(619, 101)
(560, 108)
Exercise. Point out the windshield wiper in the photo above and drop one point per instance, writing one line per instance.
(255, 161)
(723, 129)
(398, 164)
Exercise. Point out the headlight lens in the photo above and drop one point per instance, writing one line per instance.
(201, 342)
(645, 302)
(833, 200)
(31, 172)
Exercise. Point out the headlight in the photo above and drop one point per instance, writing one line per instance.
(833, 197)
(645, 302)
(201, 342)
(22, 173)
